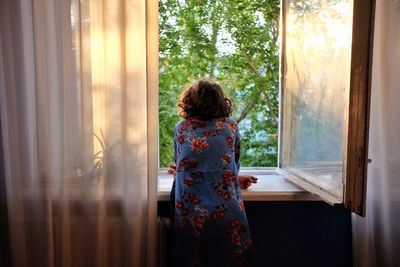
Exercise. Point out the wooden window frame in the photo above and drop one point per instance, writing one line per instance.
(355, 160)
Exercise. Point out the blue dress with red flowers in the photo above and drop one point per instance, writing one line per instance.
(211, 227)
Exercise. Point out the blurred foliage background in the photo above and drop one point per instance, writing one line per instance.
(234, 42)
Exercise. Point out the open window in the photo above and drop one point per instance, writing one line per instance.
(325, 65)
(325, 93)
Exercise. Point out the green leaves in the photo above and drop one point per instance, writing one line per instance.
(234, 42)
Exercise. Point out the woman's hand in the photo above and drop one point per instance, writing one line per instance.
(172, 170)
(245, 181)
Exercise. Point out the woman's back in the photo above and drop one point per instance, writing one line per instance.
(210, 223)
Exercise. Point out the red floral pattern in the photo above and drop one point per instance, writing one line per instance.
(199, 144)
(188, 181)
(233, 126)
(211, 132)
(186, 164)
(226, 158)
(229, 141)
(181, 139)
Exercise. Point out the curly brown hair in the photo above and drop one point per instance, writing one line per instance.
(204, 99)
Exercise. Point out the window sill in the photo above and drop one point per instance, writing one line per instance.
(271, 186)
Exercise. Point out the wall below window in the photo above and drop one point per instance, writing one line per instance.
(296, 233)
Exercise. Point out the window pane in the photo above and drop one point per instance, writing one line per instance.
(234, 42)
(316, 80)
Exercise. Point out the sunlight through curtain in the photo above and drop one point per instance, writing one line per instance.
(376, 238)
(79, 128)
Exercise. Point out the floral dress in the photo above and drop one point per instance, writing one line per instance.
(211, 227)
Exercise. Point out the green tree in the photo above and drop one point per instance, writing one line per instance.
(234, 42)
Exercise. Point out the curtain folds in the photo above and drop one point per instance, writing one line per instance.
(376, 238)
(78, 127)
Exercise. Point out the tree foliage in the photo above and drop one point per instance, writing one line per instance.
(234, 42)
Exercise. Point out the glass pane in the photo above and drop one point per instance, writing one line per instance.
(236, 43)
(315, 90)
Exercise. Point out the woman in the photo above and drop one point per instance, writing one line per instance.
(211, 227)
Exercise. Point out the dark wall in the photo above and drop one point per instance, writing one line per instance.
(300, 234)
(297, 233)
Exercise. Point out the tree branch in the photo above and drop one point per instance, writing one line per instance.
(262, 90)
(271, 111)
(249, 61)
(216, 22)
(179, 5)
(247, 108)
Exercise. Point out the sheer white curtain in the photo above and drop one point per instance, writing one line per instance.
(376, 238)
(79, 127)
